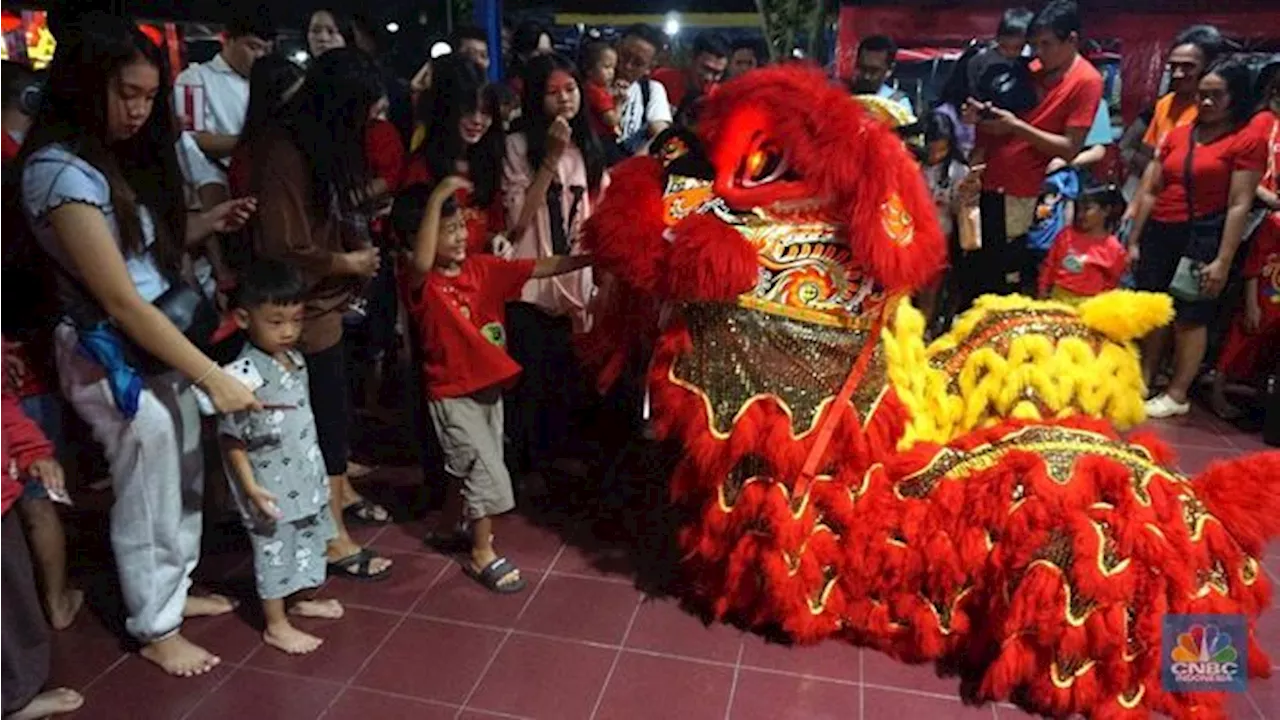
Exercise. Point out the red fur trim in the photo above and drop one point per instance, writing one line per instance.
(840, 154)
(710, 261)
(625, 232)
(1245, 495)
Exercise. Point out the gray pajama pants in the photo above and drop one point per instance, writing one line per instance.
(157, 474)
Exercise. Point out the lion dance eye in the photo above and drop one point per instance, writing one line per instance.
(764, 164)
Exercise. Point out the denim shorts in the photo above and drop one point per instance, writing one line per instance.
(45, 410)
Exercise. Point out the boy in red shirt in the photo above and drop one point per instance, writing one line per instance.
(1086, 259)
(457, 303)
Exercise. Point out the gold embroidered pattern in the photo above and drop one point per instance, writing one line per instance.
(1000, 327)
(1059, 447)
(742, 356)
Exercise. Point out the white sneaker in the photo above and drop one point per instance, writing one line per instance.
(1163, 406)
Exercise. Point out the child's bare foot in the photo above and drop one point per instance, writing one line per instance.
(290, 639)
(49, 702)
(63, 609)
(323, 609)
(179, 656)
(208, 606)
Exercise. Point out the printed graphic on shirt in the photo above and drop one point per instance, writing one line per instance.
(1269, 279)
(495, 333)
(1074, 263)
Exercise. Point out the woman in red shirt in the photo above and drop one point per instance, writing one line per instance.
(1197, 195)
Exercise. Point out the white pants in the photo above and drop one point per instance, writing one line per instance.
(157, 473)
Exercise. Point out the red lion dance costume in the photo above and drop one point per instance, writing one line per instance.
(967, 501)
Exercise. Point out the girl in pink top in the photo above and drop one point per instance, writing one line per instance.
(552, 177)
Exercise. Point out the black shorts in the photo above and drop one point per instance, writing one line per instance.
(1161, 248)
(331, 405)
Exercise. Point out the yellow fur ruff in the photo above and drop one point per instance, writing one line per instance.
(1029, 359)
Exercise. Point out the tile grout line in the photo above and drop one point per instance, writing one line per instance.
(394, 628)
(114, 664)
(595, 710)
(862, 684)
(733, 686)
(475, 687)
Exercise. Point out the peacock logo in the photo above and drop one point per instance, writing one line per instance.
(1204, 654)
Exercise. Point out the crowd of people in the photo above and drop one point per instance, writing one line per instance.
(238, 258)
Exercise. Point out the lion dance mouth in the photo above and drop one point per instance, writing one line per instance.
(968, 501)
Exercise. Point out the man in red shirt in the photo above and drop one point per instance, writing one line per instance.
(1015, 150)
(21, 90)
(706, 67)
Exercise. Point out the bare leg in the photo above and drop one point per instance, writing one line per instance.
(1154, 347)
(482, 552)
(1189, 346)
(49, 547)
(281, 634)
(1222, 407)
(179, 656)
(342, 545)
(50, 702)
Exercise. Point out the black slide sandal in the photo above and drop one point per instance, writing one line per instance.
(493, 573)
(357, 567)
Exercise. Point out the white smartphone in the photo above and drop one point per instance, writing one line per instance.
(243, 370)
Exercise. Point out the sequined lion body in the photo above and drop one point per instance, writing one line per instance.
(966, 500)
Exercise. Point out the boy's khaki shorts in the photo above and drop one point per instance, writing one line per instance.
(470, 432)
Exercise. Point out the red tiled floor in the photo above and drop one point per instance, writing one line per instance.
(253, 694)
(458, 596)
(544, 678)
(662, 626)
(411, 575)
(355, 704)
(880, 704)
(430, 660)
(348, 642)
(581, 609)
(647, 686)
(834, 660)
(430, 641)
(774, 696)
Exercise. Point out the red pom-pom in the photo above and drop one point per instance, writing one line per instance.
(709, 261)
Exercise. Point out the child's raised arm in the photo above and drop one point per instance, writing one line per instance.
(559, 265)
(428, 237)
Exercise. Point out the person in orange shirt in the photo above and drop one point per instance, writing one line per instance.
(1194, 49)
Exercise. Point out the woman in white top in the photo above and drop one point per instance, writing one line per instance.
(103, 196)
(552, 177)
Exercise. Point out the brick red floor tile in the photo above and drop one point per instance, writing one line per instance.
(772, 696)
(430, 660)
(348, 642)
(648, 686)
(232, 637)
(253, 694)
(580, 609)
(881, 670)
(356, 704)
(458, 596)
(583, 555)
(880, 704)
(833, 659)
(411, 575)
(79, 659)
(663, 626)
(1266, 695)
(137, 690)
(1194, 430)
(544, 678)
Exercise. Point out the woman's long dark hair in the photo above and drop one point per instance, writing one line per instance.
(1239, 81)
(459, 88)
(326, 119)
(536, 123)
(273, 76)
(141, 170)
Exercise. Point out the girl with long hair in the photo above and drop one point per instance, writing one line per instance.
(103, 197)
(311, 179)
(552, 177)
(1195, 198)
(272, 83)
